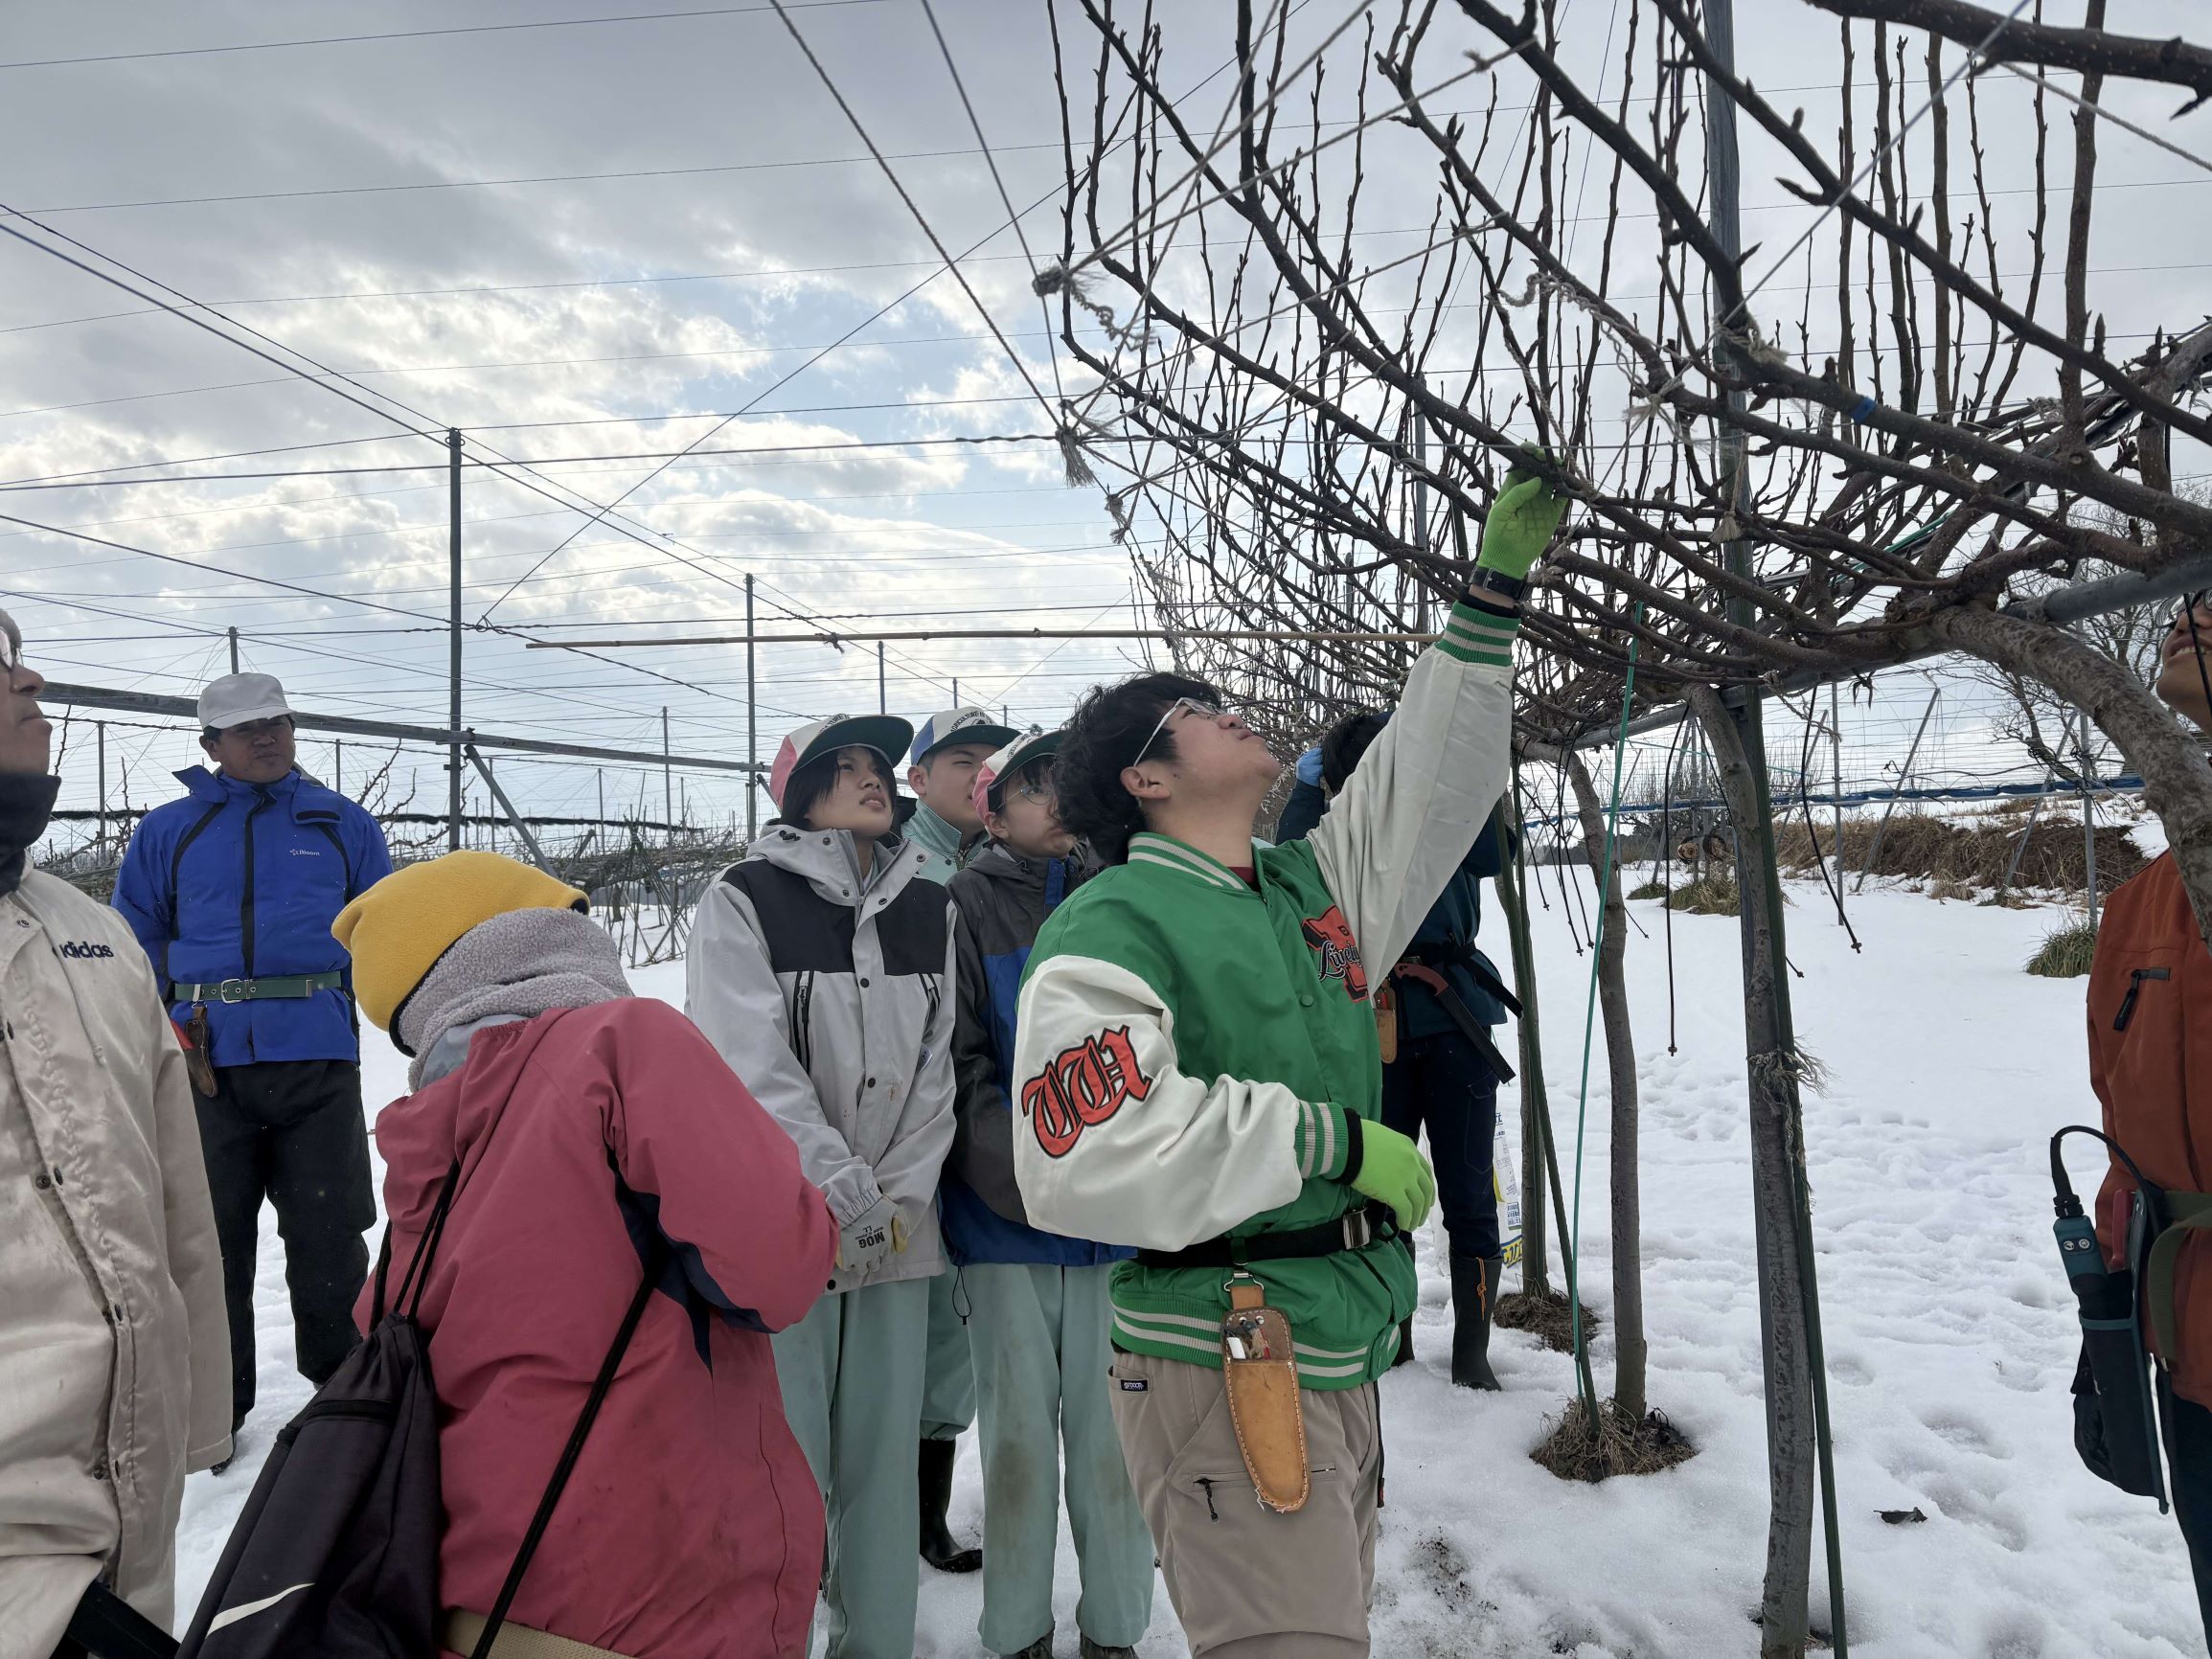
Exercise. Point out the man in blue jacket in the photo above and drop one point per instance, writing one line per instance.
(1041, 1311)
(232, 891)
(1441, 1066)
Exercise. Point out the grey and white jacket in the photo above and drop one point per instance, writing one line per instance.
(832, 998)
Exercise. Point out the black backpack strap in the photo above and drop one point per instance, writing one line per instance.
(656, 1258)
(425, 1249)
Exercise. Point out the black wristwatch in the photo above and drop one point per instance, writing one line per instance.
(1496, 581)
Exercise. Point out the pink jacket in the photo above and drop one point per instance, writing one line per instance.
(691, 1528)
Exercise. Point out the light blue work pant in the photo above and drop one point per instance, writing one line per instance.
(851, 1371)
(1042, 1351)
(949, 1389)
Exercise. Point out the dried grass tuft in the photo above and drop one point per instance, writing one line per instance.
(1927, 849)
(1544, 1315)
(1651, 890)
(2066, 952)
(1578, 1450)
(1712, 895)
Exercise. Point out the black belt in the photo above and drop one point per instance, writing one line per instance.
(1458, 955)
(1355, 1230)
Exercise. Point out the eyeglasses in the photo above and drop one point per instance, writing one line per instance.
(11, 651)
(1205, 710)
(1033, 789)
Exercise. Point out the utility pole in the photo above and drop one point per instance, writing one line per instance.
(956, 691)
(99, 727)
(601, 773)
(453, 671)
(234, 634)
(1789, 1304)
(338, 765)
(752, 722)
(881, 706)
(668, 776)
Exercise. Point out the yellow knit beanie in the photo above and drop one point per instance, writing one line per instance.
(399, 929)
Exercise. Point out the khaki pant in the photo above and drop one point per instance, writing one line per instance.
(1245, 1581)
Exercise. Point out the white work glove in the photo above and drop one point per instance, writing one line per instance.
(864, 1242)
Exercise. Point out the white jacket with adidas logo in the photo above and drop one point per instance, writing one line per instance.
(114, 1348)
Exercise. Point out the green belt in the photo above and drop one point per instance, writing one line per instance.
(279, 985)
(2190, 1212)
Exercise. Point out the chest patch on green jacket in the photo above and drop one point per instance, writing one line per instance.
(1330, 934)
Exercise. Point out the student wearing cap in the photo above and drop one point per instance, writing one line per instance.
(232, 891)
(1040, 1308)
(114, 1368)
(950, 747)
(596, 1135)
(821, 965)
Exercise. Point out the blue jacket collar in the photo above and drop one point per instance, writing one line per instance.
(295, 788)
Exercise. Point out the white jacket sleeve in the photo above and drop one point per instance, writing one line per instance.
(195, 1256)
(1422, 791)
(731, 993)
(910, 1165)
(1113, 1141)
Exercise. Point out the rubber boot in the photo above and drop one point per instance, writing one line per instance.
(1041, 1649)
(1093, 1650)
(934, 1469)
(1474, 1281)
(1404, 1345)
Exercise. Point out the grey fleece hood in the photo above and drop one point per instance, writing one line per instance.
(513, 967)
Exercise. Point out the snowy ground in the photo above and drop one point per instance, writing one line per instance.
(1951, 1339)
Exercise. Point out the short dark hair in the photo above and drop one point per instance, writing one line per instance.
(1344, 743)
(1110, 727)
(805, 787)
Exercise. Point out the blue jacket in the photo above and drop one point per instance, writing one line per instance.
(1003, 900)
(243, 879)
(1447, 931)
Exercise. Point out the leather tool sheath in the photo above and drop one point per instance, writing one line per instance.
(1260, 1371)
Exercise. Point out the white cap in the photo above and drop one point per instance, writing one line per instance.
(239, 699)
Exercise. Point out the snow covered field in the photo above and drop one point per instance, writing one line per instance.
(1951, 1337)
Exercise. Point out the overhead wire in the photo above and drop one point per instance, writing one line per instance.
(414, 34)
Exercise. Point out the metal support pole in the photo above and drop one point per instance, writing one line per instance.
(233, 637)
(338, 765)
(2083, 763)
(99, 727)
(668, 776)
(529, 841)
(956, 691)
(881, 707)
(1883, 829)
(453, 623)
(752, 724)
(1835, 778)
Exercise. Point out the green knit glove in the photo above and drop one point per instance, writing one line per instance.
(1392, 1172)
(1521, 523)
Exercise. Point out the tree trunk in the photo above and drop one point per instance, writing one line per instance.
(1535, 1109)
(2168, 756)
(1630, 1347)
(1776, 1151)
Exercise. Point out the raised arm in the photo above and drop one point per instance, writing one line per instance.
(1414, 805)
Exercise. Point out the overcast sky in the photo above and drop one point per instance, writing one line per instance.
(584, 226)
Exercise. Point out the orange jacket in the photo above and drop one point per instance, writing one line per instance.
(2151, 1064)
